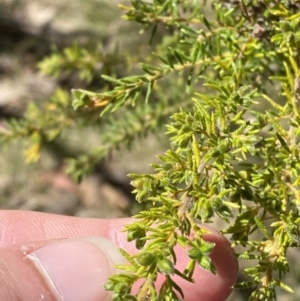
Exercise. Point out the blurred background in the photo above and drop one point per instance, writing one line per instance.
(30, 31)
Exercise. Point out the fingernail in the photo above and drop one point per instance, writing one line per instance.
(76, 269)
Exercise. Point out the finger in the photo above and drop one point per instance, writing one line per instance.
(67, 269)
(23, 226)
(20, 226)
(208, 286)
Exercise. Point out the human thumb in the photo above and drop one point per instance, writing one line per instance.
(66, 269)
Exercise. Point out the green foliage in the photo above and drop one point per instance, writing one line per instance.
(231, 84)
(72, 58)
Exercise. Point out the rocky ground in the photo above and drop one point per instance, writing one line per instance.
(27, 31)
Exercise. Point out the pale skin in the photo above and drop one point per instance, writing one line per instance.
(31, 231)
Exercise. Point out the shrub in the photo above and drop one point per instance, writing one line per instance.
(229, 78)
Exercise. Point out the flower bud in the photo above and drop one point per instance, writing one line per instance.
(146, 259)
(166, 266)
